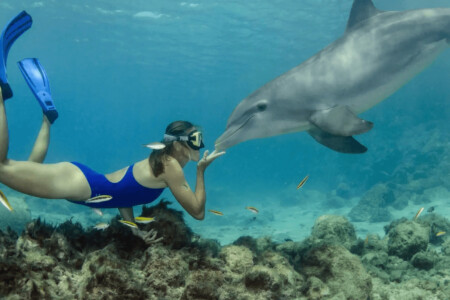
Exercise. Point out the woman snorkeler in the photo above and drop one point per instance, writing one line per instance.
(139, 183)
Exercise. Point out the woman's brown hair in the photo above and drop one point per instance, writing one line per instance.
(177, 128)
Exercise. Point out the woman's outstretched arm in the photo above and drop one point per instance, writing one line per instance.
(192, 202)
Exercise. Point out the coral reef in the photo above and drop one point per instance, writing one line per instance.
(418, 177)
(66, 261)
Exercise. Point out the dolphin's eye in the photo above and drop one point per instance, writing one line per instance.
(261, 106)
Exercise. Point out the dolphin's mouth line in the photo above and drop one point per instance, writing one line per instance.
(234, 132)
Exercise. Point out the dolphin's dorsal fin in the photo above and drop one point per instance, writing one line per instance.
(361, 10)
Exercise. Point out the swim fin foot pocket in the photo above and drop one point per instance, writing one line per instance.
(6, 90)
(11, 32)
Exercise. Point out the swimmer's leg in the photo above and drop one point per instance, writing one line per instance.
(40, 147)
(4, 137)
(55, 181)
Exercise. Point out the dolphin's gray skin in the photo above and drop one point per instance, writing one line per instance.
(379, 52)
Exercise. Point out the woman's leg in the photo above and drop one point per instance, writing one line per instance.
(55, 181)
(41, 144)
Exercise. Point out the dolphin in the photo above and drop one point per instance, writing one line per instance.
(379, 52)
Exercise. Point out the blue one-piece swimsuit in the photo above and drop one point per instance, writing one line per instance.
(125, 193)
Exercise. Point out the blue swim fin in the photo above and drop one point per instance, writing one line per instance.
(37, 80)
(12, 31)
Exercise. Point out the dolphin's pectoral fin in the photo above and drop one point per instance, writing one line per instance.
(340, 120)
(343, 144)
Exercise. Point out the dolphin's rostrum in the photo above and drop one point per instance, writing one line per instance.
(379, 52)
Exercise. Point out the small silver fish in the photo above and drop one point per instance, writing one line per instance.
(302, 182)
(5, 201)
(418, 213)
(252, 209)
(98, 199)
(97, 211)
(101, 226)
(129, 224)
(155, 146)
(144, 220)
(216, 212)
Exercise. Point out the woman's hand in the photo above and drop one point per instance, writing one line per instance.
(208, 159)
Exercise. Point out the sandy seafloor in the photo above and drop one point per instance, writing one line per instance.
(276, 219)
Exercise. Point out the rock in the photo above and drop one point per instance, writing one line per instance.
(373, 205)
(315, 289)
(338, 269)
(283, 274)
(402, 201)
(203, 284)
(408, 238)
(423, 260)
(262, 278)
(239, 259)
(329, 229)
(446, 247)
(436, 223)
(170, 225)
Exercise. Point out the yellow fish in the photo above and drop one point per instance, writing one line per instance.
(418, 213)
(101, 226)
(97, 211)
(302, 182)
(440, 233)
(5, 201)
(366, 241)
(144, 220)
(155, 146)
(216, 212)
(252, 209)
(98, 199)
(129, 224)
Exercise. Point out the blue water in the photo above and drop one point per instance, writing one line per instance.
(120, 71)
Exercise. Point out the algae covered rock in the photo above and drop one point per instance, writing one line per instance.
(274, 273)
(408, 238)
(373, 205)
(437, 223)
(315, 289)
(338, 269)
(165, 271)
(446, 247)
(169, 224)
(329, 229)
(264, 278)
(239, 259)
(423, 260)
(203, 284)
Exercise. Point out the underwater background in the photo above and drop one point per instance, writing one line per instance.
(121, 71)
(372, 226)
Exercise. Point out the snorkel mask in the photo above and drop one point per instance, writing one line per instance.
(193, 139)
